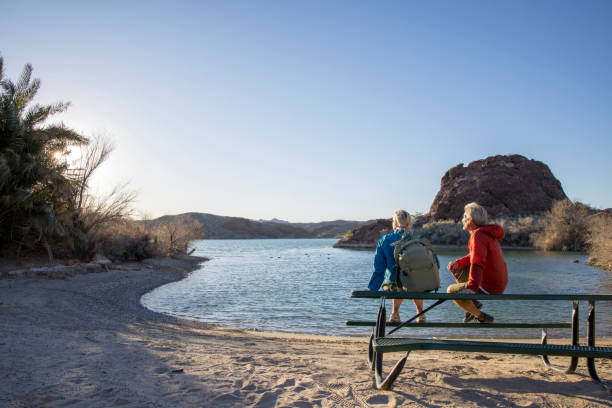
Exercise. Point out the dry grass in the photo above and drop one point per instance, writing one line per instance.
(445, 232)
(564, 228)
(519, 229)
(130, 240)
(600, 241)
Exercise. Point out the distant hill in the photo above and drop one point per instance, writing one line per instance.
(222, 227)
(330, 229)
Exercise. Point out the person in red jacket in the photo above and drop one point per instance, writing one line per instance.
(483, 270)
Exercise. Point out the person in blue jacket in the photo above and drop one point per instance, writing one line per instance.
(384, 262)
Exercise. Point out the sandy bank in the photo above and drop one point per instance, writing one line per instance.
(85, 341)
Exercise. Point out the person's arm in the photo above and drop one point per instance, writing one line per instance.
(380, 265)
(463, 262)
(478, 256)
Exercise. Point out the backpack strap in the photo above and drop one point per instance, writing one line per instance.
(396, 248)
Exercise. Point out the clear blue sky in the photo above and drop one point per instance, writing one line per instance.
(311, 111)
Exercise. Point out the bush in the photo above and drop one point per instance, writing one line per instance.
(519, 230)
(564, 228)
(130, 240)
(600, 241)
(126, 240)
(172, 237)
(448, 232)
(445, 232)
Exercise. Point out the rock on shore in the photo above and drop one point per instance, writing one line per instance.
(366, 236)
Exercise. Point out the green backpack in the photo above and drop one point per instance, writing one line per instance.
(416, 266)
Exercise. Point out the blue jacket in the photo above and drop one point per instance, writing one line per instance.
(384, 261)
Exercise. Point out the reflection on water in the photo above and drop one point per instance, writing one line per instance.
(303, 285)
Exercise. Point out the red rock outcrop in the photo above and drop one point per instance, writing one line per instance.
(505, 185)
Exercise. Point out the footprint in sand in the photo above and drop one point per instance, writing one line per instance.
(267, 399)
(381, 399)
(243, 359)
(163, 349)
(285, 382)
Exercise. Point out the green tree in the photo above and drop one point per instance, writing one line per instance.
(36, 197)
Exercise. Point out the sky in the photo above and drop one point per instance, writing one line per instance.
(320, 110)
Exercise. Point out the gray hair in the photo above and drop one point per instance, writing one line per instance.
(477, 212)
(401, 219)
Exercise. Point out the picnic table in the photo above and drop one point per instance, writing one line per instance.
(382, 342)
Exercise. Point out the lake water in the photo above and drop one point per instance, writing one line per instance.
(303, 285)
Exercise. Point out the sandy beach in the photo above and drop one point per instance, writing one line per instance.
(86, 341)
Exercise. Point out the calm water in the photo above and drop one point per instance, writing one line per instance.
(303, 285)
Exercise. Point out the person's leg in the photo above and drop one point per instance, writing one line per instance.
(394, 317)
(461, 275)
(396, 305)
(419, 304)
(419, 307)
(466, 305)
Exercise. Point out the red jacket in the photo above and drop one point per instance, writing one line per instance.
(485, 251)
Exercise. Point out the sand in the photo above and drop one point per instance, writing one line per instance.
(86, 341)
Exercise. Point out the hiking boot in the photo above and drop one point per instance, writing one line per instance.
(394, 318)
(468, 317)
(485, 318)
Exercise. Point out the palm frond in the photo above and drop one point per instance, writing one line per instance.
(9, 89)
(24, 79)
(26, 95)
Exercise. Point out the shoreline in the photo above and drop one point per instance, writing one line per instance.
(86, 341)
(437, 247)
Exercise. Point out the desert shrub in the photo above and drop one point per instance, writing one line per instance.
(131, 240)
(600, 241)
(564, 228)
(445, 232)
(518, 230)
(125, 240)
(172, 237)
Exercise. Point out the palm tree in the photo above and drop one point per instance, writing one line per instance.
(35, 193)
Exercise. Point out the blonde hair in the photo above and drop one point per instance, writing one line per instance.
(477, 212)
(401, 219)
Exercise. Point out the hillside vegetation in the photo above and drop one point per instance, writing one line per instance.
(600, 240)
(568, 226)
(45, 200)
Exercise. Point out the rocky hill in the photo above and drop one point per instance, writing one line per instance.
(330, 229)
(505, 185)
(222, 227)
